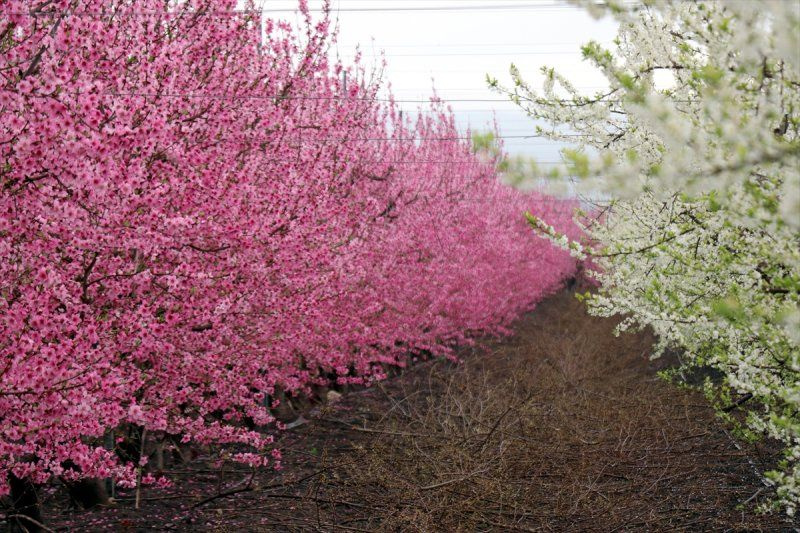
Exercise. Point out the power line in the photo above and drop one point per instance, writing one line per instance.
(442, 162)
(480, 71)
(309, 98)
(298, 142)
(419, 162)
(235, 12)
(440, 90)
(456, 138)
(485, 7)
(458, 54)
(334, 98)
(338, 98)
(465, 45)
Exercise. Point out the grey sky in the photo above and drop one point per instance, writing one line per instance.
(453, 49)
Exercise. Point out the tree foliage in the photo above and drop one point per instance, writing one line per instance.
(518, 170)
(200, 214)
(697, 138)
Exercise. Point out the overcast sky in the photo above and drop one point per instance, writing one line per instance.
(452, 44)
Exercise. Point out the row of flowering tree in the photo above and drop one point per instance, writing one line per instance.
(698, 137)
(200, 216)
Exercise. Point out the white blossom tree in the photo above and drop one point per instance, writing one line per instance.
(697, 140)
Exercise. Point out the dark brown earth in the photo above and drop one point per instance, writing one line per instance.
(561, 427)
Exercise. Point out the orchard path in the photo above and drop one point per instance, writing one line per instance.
(560, 427)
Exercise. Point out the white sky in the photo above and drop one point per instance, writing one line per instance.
(453, 49)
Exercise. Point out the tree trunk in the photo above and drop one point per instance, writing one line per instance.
(283, 412)
(159, 454)
(26, 515)
(88, 493)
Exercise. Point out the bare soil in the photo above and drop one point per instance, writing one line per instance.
(560, 427)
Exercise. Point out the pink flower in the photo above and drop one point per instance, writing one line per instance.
(191, 244)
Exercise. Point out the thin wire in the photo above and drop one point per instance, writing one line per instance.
(465, 45)
(407, 162)
(487, 7)
(321, 98)
(458, 54)
(215, 12)
(458, 138)
(414, 90)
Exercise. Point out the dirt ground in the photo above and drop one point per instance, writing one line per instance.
(560, 427)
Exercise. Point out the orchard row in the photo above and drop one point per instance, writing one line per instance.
(201, 214)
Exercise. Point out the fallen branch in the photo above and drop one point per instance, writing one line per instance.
(31, 520)
(236, 490)
(451, 481)
(380, 431)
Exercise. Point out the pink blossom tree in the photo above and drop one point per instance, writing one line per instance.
(197, 217)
